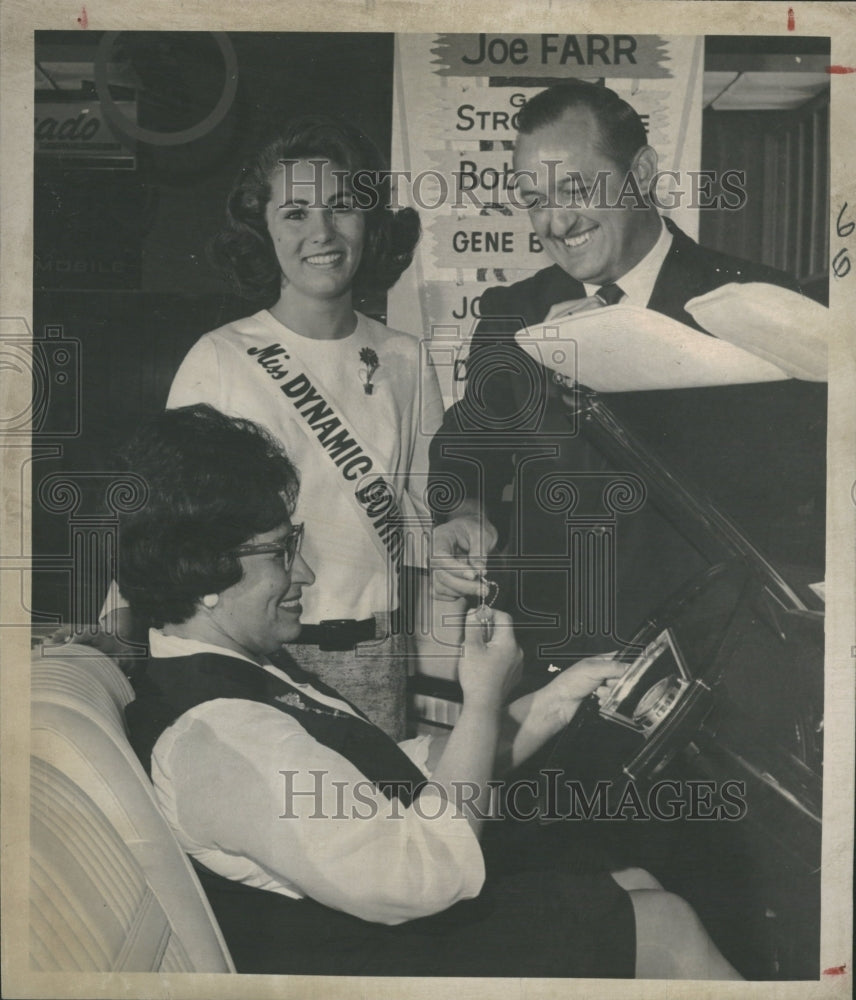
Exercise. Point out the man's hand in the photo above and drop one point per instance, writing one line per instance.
(459, 556)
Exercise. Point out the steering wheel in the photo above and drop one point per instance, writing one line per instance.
(675, 661)
(723, 660)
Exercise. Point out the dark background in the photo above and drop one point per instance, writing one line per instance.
(120, 254)
(121, 259)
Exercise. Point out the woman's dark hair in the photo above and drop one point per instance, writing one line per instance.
(622, 133)
(213, 483)
(244, 250)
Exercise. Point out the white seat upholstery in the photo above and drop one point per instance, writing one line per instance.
(110, 887)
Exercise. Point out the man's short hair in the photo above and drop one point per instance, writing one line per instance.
(622, 133)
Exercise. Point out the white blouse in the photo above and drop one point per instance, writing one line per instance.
(252, 796)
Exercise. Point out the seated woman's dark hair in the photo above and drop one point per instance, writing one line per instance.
(244, 251)
(213, 483)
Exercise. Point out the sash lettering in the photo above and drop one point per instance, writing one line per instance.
(377, 498)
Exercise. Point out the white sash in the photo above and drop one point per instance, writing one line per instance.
(327, 429)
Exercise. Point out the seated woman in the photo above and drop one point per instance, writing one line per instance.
(322, 846)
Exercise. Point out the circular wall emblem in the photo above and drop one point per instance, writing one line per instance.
(129, 128)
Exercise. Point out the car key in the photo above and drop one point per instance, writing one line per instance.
(484, 611)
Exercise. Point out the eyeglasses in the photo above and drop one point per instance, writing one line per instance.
(287, 548)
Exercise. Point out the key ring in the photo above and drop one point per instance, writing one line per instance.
(484, 611)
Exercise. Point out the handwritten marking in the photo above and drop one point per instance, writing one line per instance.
(83, 20)
(792, 23)
(841, 69)
(835, 970)
(841, 261)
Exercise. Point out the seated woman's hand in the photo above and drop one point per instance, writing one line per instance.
(593, 675)
(489, 671)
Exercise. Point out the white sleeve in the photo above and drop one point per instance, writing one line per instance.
(113, 601)
(245, 779)
(418, 749)
(427, 417)
(198, 379)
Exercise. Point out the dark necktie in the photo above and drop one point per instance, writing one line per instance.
(609, 294)
(606, 295)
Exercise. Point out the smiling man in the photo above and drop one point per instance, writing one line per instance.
(582, 180)
(585, 173)
(584, 169)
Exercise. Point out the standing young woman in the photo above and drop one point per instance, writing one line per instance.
(354, 402)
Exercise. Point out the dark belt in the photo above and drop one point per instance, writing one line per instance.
(337, 634)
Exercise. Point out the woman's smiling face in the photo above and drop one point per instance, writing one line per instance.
(262, 611)
(317, 233)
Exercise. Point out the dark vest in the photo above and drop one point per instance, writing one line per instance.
(267, 932)
(168, 687)
(547, 923)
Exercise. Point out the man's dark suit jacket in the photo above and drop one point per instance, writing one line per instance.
(756, 451)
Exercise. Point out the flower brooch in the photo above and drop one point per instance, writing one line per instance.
(371, 364)
(293, 700)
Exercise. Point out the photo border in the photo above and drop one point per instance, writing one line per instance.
(17, 23)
